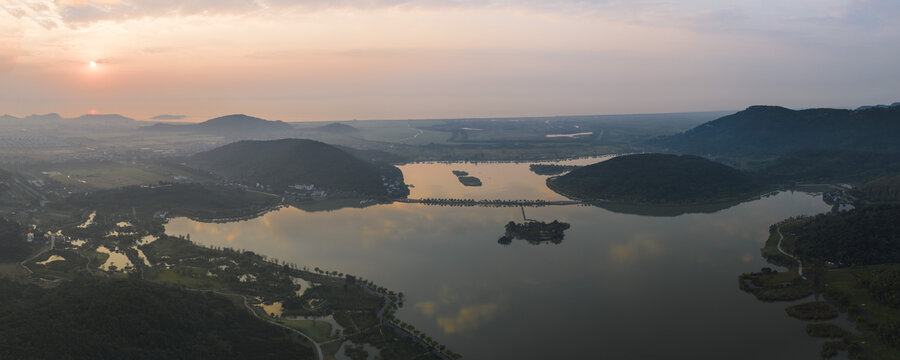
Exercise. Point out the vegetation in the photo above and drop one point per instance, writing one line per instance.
(113, 319)
(279, 164)
(192, 199)
(657, 178)
(770, 131)
(535, 232)
(550, 169)
(13, 245)
(825, 330)
(885, 287)
(816, 310)
(770, 285)
(866, 235)
(469, 180)
(823, 166)
(868, 293)
(883, 190)
(355, 352)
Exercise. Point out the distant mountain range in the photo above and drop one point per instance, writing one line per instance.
(237, 125)
(281, 164)
(86, 119)
(336, 128)
(765, 132)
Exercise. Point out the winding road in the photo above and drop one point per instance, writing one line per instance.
(780, 238)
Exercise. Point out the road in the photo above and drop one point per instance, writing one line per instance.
(780, 238)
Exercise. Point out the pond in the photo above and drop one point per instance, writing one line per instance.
(618, 286)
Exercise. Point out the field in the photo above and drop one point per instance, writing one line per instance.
(92, 175)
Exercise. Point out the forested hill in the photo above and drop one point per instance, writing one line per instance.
(769, 131)
(282, 163)
(94, 318)
(657, 178)
(864, 236)
(819, 166)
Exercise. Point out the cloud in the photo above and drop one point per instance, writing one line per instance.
(428, 308)
(704, 15)
(468, 318)
(640, 245)
(10, 48)
(168, 117)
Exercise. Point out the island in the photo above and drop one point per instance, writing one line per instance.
(551, 169)
(535, 232)
(465, 179)
(657, 179)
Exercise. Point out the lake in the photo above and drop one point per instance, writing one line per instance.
(619, 286)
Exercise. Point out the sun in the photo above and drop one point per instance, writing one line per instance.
(93, 64)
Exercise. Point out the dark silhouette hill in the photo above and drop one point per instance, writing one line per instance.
(237, 125)
(769, 131)
(280, 164)
(820, 166)
(657, 178)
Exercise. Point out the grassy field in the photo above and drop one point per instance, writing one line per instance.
(186, 276)
(112, 174)
(316, 329)
(329, 349)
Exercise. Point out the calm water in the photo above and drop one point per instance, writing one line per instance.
(619, 286)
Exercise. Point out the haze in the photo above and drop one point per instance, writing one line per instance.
(324, 60)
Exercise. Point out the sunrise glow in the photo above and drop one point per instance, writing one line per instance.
(372, 60)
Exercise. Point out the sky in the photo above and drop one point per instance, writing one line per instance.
(298, 60)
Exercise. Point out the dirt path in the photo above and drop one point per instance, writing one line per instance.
(800, 263)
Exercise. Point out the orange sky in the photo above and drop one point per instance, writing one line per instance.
(332, 60)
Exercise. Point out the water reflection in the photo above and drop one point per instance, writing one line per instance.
(642, 287)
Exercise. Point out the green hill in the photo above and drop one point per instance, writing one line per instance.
(864, 236)
(280, 164)
(657, 178)
(769, 131)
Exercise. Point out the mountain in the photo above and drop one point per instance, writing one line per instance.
(280, 164)
(336, 128)
(769, 131)
(657, 178)
(237, 125)
(102, 119)
(55, 119)
(45, 117)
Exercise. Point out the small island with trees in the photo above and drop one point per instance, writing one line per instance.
(465, 179)
(551, 169)
(535, 232)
